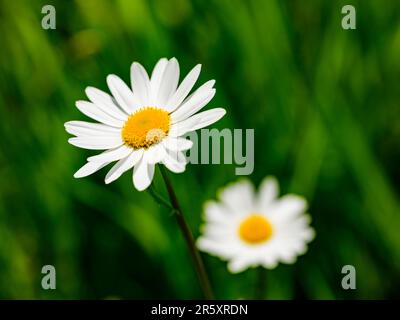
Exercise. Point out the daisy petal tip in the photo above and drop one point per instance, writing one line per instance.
(222, 110)
(110, 77)
(88, 89)
(312, 235)
(271, 265)
(79, 174)
(69, 124)
(297, 200)
(208, 204)
(291, 260)
(271, 182)
(141, 187)
(71, 141)
(142, 177)
(92, 158)
(199, 244)
(232, 268)
(135, 65)
(219, 113)
(79, 103)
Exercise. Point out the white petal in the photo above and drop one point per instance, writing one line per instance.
(216, 248)
(106, 103)
(121, 92)
(197, 121)
(143, 174)
(296, 248)
(269, 263)
(123, 165)
(268, 192)
(156, 78)
(288, 258)
(288, 207)
(306, 234)
(215, 212)
(238, 264)
(222, 232)
(155, 153)
(140, 83)
(112, 155)
(192, 106)
(309, 234)
(169, 83)
(83, 128)
(177, 144)
(297, 229)
(239, 196)
(182, 158)
(98, 143)
(92, 111)
(180, 128)
(200, 98)
(184, 88)
(208, 117)
(89, 168)
(173, 164)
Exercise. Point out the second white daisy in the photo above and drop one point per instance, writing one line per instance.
(142, 125)
(250, 229)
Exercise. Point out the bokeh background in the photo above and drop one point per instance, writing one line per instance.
(324, 103)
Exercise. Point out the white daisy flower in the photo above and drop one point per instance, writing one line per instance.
(250, 230)
(142, 125)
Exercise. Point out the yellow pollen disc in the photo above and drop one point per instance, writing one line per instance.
(145, 127)
(255, 229)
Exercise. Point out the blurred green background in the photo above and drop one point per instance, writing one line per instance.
(324, 103)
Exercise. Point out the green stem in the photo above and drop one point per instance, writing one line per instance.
(261, 285)
(187, 234)
(158, 198)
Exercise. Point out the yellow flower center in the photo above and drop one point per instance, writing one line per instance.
(255, 229)
(145, 127)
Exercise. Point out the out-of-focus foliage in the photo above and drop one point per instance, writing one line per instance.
(324, 103)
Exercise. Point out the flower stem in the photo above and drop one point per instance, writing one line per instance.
(187, 234)
(159, 199)
(261, 285)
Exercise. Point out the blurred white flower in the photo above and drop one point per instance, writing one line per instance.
(249, 229)
(142, 125)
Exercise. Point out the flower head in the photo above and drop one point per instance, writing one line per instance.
(143, 125)
(249, 229)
